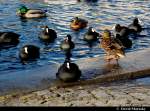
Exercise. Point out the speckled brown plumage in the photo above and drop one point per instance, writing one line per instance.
(112, 46)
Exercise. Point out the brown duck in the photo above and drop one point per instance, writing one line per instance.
(78, 23)
(112, 46)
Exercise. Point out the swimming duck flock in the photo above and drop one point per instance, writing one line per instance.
(113, 43)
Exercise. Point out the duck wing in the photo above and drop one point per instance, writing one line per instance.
(8, 36)
(117, 43)
(36, 11)
(117, 47)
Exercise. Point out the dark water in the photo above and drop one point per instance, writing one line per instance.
(102, 14)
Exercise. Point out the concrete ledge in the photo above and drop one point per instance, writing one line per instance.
(94, 70)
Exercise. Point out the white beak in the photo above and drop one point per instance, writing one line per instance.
(47, 30)
(93, 30)
(140, 22)
(68, 66)
(113, 28)
(26, 50)
(121, 55)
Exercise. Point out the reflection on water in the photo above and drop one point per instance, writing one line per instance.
(102, 14)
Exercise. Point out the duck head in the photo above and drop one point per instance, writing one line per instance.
(136, 21)
(106, 34)
(91, 29)
(118, 28)
(75, 20)
(22, 10)
(68, 38)
(67, 63)
(46, 28)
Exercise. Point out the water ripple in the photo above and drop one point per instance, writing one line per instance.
(102, 14)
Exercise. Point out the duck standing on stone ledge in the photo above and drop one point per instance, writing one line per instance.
(112, 46)
(68, 71)
(24, 12)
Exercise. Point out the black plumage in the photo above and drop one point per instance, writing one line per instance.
(68, 72)
(67, 44)
(91, 35)
(9, 39)
(135, 27)
(48, 35)
(29, 52)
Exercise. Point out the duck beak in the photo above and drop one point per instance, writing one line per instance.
(140, 21)
(66, 39)
(47, 30)
(113, 28)
(18, 12)
(26, 50)
(68, 66)
(93, 30)
(121, 55)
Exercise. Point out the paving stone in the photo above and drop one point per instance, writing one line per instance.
(118, 102)
(92, 95)
(140, 96)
